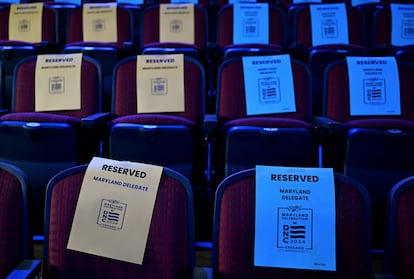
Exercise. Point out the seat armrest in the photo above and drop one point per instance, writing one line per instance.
(210, 124)
(327, 126)
(96, 120)
(26, 269)
(130, 47)
(213, 50)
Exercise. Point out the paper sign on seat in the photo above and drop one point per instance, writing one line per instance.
(177, 23)
(25, 22)
(268, 83)
(295, 218)
(100, 22)
(374, 86)
(251, 23)
(329, 24)
(160, 83)
(402, 24)
(58, 82)
(114, 209)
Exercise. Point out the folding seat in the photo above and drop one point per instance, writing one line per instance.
(301, 35)
(169, 252)
(209, 7)
(107, 39)
(342, 33)
(171, 138)
(245, 138)
(248, 36)
(399, 244)
(383, 27)
(391, 30)
(251, 24)
(15, 245)
(367, 127)
(18, 44)
(234, 231)
(243, 26)
(157, 33)
(42, 141)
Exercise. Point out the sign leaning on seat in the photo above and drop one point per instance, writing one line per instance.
(295, 218)
(58, 82)
(114, 209)
(25, 22)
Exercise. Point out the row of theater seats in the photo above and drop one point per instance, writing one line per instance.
(170, 250)
(376, 149)
(215, 136)
(369, 29)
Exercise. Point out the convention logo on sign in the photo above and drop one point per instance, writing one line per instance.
(269, 86)
(374, 86)
(111, 214)
(295, 218)
(114, 209)
(374, 91)
(329, 24)
(295, 228)
(402, 24)
(269, 89)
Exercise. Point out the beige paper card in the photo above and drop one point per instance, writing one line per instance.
(25, 22)
(160, 83)
(177, 23)
(100, 22)
(58, 82)
(114, 209)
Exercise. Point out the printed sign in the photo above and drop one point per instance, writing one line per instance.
(25, 22)
(329, 24)
(251, 23)
(402, 24)
(100, 22)
(114, 209)
(177, 23)
(58, 82)
(374, 87)
(295, 218)
(160, 83)
(268, 83)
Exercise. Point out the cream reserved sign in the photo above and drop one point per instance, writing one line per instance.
(25, 22)
(114, 209)
(160, 83)
(177, 23)
(58, 82)
(100, 22)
